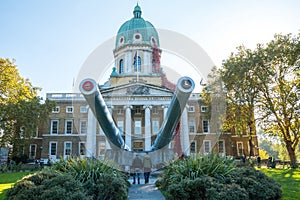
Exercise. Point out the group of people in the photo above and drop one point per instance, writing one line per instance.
(139, 166)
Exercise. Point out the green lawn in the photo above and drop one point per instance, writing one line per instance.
(8, 179)
(289, 179)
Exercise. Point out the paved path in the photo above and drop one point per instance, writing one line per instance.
(145, 191)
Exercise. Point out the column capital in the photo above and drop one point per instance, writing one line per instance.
(147, 106)
(165, 106)
(110, 106)
(128, 106)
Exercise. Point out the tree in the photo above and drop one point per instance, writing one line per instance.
(237, 75)
(266, 81)
(21, 111)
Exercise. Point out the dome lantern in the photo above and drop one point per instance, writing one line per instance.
(137, 12)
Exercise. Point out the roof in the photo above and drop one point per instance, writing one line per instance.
(137, 25)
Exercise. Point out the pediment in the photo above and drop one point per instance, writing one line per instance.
(137, 89)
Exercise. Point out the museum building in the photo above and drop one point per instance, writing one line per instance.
(138, 94)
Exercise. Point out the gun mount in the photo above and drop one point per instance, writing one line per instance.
(90, 90)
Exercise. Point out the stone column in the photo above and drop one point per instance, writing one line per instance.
(147, 127)
(184, 132)
(91, 135)
(165, 107)
(128, 126)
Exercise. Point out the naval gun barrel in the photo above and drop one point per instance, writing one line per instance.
(184, 88)
(90, 90)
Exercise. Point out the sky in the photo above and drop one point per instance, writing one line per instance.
(51, 39)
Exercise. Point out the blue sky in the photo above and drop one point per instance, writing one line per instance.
(51, 39)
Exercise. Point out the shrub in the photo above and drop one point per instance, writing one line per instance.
(100, 178)
(212, 177)
(256, 183)
(205, 187)
(193, 167)
(47, 185)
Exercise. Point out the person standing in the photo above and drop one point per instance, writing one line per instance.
(147, 164)
(137, 165)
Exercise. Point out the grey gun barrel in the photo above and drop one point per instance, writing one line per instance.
(89, 89)
(184, 88)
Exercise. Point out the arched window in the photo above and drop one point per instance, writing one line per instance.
(137, 64)
(121, 66)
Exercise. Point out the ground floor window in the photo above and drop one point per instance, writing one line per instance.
(67, 149)
(32, 151)
(221, 147)
(240, 148)
(193, 147)
(102, 149)
(138, 146)
(53, 150)
(206, 146)
(82, 149)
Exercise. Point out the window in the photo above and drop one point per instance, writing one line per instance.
(137, 64)
(67, 149)
(56, 109)
(206, 146)
(120, 124)
(191, 109)
(121, 41)
(193, 147)
(54, 127)
(69, 127)
(120, 110)
(205, 126)
(240, 148)
(138, 127)
(121, 66)
(155, 126)
(69, 109)
(53, 149)
(32, 151)
(192, 127)
(204, 108)
(137, 110)
(102, 147)
(137, 37)
(221, 147)
(155, 110)
(83, 109)
(81, 148)
(138, 146)
(83, 127)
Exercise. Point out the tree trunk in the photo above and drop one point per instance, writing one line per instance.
(291, 153)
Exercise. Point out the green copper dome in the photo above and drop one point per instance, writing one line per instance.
(137, 30)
